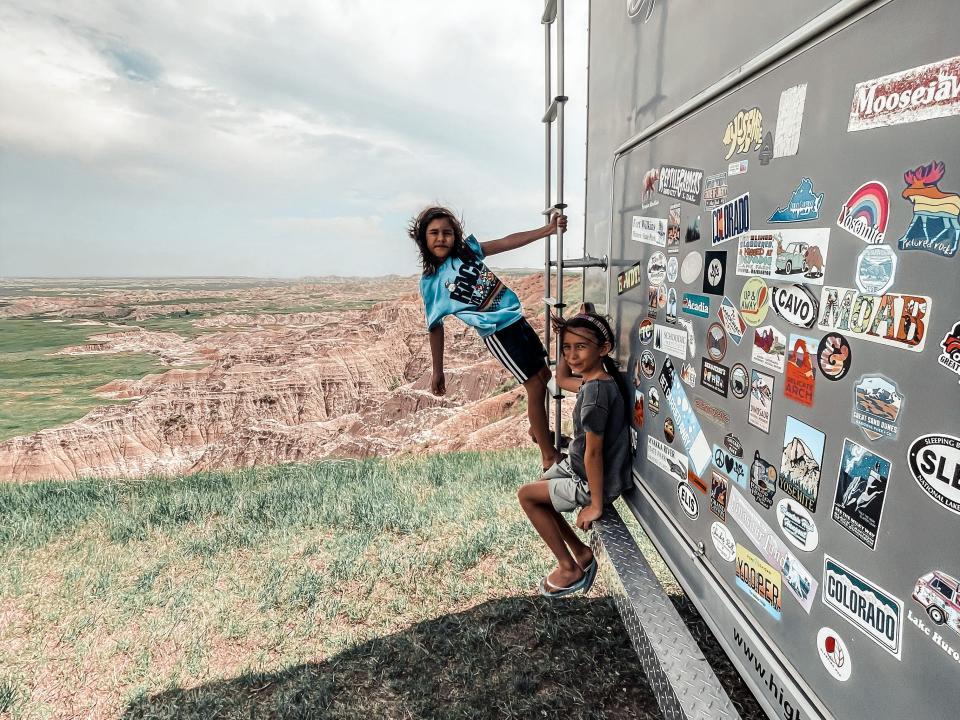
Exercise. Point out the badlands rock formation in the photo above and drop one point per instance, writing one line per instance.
(277, 388)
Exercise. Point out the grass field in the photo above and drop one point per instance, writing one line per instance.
(341, 589)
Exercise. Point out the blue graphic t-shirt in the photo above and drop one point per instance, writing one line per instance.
(470, 291)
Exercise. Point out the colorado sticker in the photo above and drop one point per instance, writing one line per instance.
(801, 462)
(865, 605)
(731, 219)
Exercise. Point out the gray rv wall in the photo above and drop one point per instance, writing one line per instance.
(639, 72)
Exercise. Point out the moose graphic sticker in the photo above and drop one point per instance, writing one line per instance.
(935, 226)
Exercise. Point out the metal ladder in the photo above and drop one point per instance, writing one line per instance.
(553, 116)
(679, 674)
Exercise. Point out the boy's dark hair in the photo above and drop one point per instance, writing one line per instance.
(417, 230)
(598, 326)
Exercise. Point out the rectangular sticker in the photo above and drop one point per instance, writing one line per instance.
(756, 254)
(921, 93)
(801, 584)
(670, 340)
(738, 167)
(629, 278)
(759, 581)
(687, 425)
(732, 321)
(769, 348)
(698, 305)
(894, 319)
(861, 491)
(729, 465)
(799, 381)
(667, 459)
(714, 377)
(761, 400)
(865, 605)
(719, 486)
(789, 120)
(673, 228)
(801, 462)
(731, 219)
(652, 231)
(681, 183)
(714, 190)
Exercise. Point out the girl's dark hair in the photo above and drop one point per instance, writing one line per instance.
(598, 326)
(417, 230)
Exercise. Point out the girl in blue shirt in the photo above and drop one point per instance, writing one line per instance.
(456, 281)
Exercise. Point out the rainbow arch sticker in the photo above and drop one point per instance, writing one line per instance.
(865, 213)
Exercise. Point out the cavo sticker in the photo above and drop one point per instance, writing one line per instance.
(935, 465)
(795, 304)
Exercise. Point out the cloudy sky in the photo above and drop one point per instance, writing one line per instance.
(268, 137)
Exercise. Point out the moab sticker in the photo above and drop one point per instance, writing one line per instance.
(861, 492)
(865, 605)
(893, 319)
(920, 93)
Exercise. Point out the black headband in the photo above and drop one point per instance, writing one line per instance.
(604, 333)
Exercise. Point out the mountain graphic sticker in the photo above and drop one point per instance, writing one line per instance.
(801, 461)
(936, 215)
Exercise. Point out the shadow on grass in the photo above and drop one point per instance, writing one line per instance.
(521, 657)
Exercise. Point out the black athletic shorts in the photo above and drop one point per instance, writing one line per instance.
(519, 349)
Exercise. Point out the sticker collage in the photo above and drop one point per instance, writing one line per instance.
(778, 328)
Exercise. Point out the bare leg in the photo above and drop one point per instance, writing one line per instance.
(580, 550)
(536, 388)
(535, 501)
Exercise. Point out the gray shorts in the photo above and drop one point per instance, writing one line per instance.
(569, 493)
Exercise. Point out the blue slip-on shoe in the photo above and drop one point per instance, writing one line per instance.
(589, 575)
(545, 588)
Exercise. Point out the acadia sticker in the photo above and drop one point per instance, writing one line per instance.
(920, 93)
(698, 305)
(935, 465)
(894, 319)
(865, 213)
(864, 604)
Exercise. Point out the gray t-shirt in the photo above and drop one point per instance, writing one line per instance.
(600, 410)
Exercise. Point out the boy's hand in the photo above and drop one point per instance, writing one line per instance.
(438, 384)
(557, 220)
(586, 516)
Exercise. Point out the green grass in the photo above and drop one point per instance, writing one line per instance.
(341, 589)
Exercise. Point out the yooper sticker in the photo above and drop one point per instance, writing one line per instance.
(935, 465)
(759, 580)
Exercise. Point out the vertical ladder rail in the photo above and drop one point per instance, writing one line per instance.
(547, 98)
(561, 102)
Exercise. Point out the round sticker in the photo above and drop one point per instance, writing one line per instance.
(797, 524)
(691, 266)
(646, 331)
(834, 654)
(723, 541)
(716, 342)
(653, 401)
(935, 465)
(754, 301)
(739, 381)
(637, 374)
(668, 430)
(672, 268)
(657, 268)
(876, 267)
(714, 275)
(648, 365)
(834, 356)
(688, 500)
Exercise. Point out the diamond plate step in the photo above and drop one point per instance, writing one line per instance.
(682, 680)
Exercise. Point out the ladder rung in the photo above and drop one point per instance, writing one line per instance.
(553, 302)
(558, 397)
(583, 262)
(553, 208)
(551, 114)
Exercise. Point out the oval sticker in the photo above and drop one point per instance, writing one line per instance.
(795, 304)
(691, 266)
(688, 501)
(834, 654)
(797, 524)
(935, 464)
(657, 268)
(753, 301)
(723, 541)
